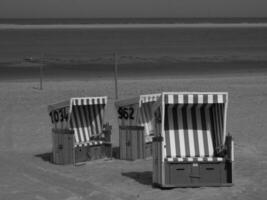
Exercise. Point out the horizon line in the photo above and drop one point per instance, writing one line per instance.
(127, 26)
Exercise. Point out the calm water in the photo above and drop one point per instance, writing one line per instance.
(168, 50)
(132, 20)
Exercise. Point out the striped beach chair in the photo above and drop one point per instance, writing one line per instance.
(79, 133)
(135, 118)
(190, 147)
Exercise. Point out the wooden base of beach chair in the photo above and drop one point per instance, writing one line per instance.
(132, 143)
(188, 174)
(65, 153)
(213, 173)
(62, 149)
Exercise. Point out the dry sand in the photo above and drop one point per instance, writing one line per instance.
(25, 137)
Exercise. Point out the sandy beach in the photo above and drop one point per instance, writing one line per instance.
(78, 61)
(25, 141)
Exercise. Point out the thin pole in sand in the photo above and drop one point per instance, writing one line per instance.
(116, 74)
(32, 60)
(41, 76)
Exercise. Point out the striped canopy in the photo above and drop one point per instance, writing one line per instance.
(195, 98)
(146, 113)
(84, 116)
(194, 123)
(148, 98)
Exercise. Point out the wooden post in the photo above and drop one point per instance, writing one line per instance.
(116, 74)
(31, 60)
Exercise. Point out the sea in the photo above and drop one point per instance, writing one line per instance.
(139, 47)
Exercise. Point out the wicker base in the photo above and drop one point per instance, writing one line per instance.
(215, 174)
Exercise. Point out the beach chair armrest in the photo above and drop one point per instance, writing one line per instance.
(229, 148)
(107, 131)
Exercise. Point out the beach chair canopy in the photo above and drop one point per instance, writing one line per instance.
(82, 115)
(193, 125)
(146, 114)
(139, 112)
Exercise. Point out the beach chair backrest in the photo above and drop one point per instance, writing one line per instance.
(188, 131)
(194, 123)
(86, 117)
(146, 114)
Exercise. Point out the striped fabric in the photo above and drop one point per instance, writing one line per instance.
(195, 98)
(188, 130)
(146, 120)
(92, 143)
(148, 98)
(88, 101)
(196, 159)
(86, 118)
(146, 115)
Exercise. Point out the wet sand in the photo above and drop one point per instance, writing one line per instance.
(135, 69)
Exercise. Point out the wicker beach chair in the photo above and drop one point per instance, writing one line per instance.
(135, 124)
(78, 130)
(190, 147)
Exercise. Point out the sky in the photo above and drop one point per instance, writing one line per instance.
(131, 8)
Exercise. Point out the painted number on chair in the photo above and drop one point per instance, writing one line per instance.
(59, 115)
(126, 113)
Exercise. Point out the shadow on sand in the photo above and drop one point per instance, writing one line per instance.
(45, 156)
(144, 178)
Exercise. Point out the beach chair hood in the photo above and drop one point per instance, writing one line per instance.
(194, 124)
